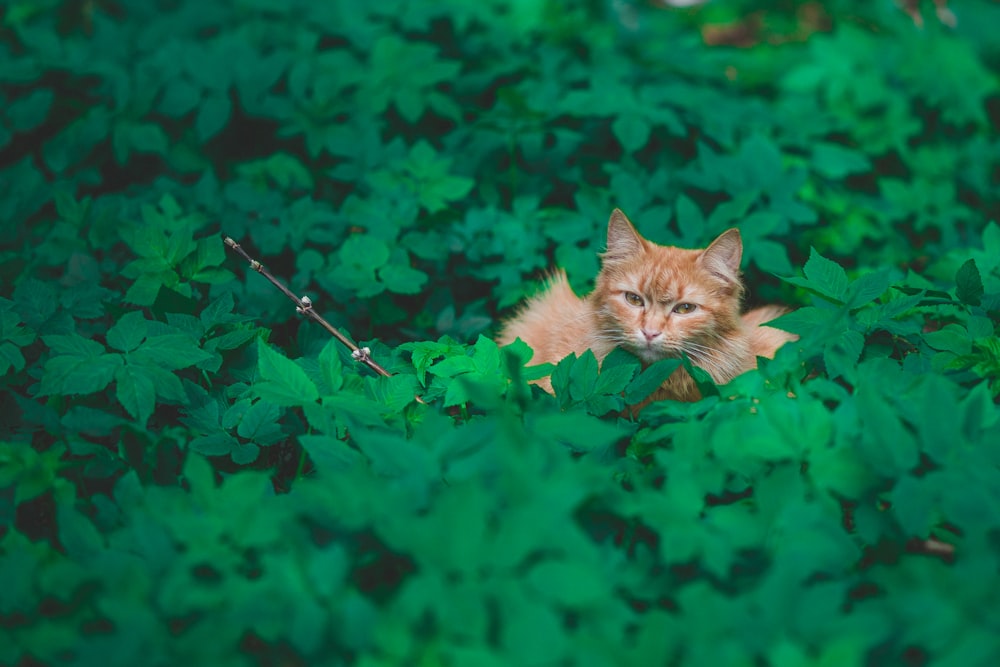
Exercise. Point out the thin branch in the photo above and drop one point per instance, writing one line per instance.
(304, 306)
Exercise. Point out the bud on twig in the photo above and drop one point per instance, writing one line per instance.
(304, 306)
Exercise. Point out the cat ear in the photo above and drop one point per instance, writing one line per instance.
(623, 241)
(723, 256)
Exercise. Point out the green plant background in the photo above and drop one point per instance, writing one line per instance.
(192, 474)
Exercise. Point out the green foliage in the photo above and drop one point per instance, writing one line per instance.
(190, 474)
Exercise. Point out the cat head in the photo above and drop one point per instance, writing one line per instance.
(658, 301)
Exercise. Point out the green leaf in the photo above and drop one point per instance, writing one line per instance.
(834, 161)
(213, 114)
(170, 351)
(136, 392)
(78, 535)
(913, 504)
(219, 311)
(219, 443)
(393, 393)
(583, 376)
(244, 453)
(650, 379)
(35, 302)
(951, 338)
(825, 276)
(842, 353)
(284, 383)
(614, 379)
(568, 582)
(690, 220)
(84, 368)
(260, 423)
(486, 356)
(969, 283)
(179, 98)
(127, 332)
(141, 137)
(29, 111)
(631, 130)
(331, 367)
(866, 288)
(886, 444)
(580, 432)
(329, 455)
(364, 250)
(402, 279)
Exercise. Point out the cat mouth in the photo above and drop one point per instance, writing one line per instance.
(648, 351)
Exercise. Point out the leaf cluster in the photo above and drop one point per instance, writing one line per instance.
(188, 473)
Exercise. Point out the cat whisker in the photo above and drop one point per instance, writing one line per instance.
(626, 305)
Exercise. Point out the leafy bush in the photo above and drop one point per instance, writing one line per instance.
(191, 474)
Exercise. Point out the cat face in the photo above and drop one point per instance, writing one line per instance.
(658, 301)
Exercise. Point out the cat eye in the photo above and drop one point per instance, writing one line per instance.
(633, 299)
(685, 308)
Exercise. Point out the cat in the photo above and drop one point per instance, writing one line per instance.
(656, 302)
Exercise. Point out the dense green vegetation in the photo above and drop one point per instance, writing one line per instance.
(190, 473)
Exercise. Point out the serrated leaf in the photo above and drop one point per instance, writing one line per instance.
(866, 288)
(486, 356)
(259, 423)
(10, 358)
(244, 453)
(583, 376)
(842, 353)
(951, 338)
(231, 340)
(35, 302)
(825, 276)
(135, 391)
(395, 392)
(452, 366)
(364, 250)
(560, 377)
(886, 444)
(219, 443)
(234, 413)
(331, 367)
(969, 284)
(73, 344)
(650, 379)
(329, 455)
(219, 311)
(72, 374)
(170, 351)
(127, 332)
(284, 382)
(402, 279)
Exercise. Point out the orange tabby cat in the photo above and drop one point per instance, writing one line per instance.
(656, 302)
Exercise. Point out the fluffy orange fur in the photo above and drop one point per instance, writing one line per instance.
(656, 302)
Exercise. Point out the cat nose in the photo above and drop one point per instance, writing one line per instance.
(650, 335)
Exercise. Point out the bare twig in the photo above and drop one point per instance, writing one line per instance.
(304, 306)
